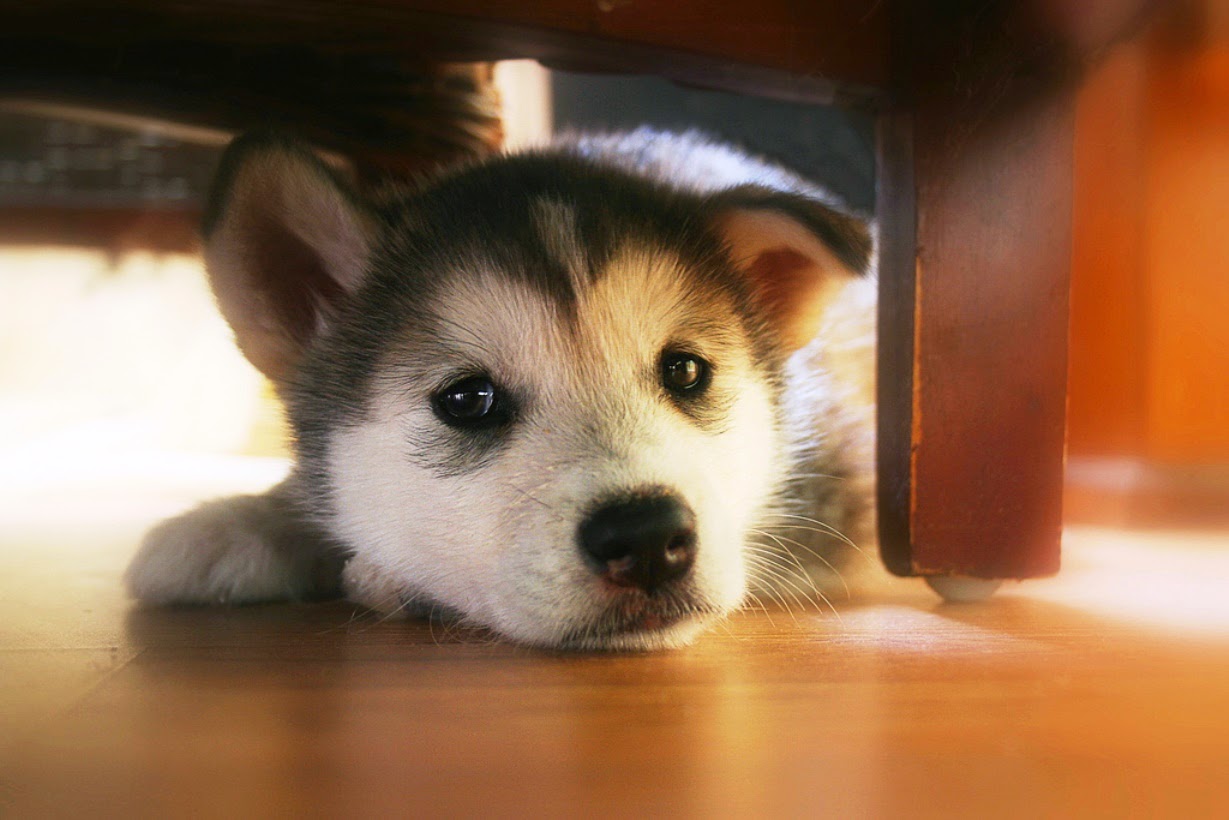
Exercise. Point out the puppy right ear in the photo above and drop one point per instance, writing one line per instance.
(286, 241)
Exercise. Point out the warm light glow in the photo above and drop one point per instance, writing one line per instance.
(1170, 581)
(130, 350)
(122, 396)
(525, 98)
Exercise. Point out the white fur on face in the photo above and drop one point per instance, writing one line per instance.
(497, 543)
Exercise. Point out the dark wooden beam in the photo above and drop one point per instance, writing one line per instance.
(786, 48)
(112, 229)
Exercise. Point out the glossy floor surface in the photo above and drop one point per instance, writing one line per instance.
(1101, 693)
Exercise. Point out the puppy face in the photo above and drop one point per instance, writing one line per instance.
(590, 406)
(547, 400)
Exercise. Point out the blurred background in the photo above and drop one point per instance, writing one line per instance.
(118, 377)
(1148, 424)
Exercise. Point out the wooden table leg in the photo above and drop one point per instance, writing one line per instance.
(975, 263)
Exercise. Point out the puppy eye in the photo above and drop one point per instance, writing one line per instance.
(472, 400)
(684, 373)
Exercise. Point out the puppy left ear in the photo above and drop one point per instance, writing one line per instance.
(796, 253)
(286, 242)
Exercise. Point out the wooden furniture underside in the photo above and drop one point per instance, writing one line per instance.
(976, 115)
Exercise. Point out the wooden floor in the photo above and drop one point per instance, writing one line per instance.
(1102, 693)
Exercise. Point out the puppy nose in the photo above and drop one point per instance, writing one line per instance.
(640, 541)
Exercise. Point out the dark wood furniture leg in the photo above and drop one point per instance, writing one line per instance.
(976, 209)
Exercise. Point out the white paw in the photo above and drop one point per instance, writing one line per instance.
(224, 551)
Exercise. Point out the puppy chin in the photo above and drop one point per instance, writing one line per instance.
(650, 640)
(649, 633)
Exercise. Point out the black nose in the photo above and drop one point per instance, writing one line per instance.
(640, 541)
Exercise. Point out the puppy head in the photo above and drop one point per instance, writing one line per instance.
(536, 393)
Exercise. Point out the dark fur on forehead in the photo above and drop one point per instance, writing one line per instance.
(488, 212)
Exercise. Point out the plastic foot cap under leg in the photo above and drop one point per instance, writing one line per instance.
(958, 589)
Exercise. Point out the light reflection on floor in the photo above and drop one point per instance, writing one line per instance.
(1163, 580)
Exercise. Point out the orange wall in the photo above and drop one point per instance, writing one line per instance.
(1150, 293)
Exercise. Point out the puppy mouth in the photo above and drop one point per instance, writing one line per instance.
(638, 613)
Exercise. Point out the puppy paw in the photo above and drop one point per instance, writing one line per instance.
(230, 551)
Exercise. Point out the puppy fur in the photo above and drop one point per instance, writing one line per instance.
(563, 277)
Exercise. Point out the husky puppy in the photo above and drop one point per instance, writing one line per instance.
(592, 396)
